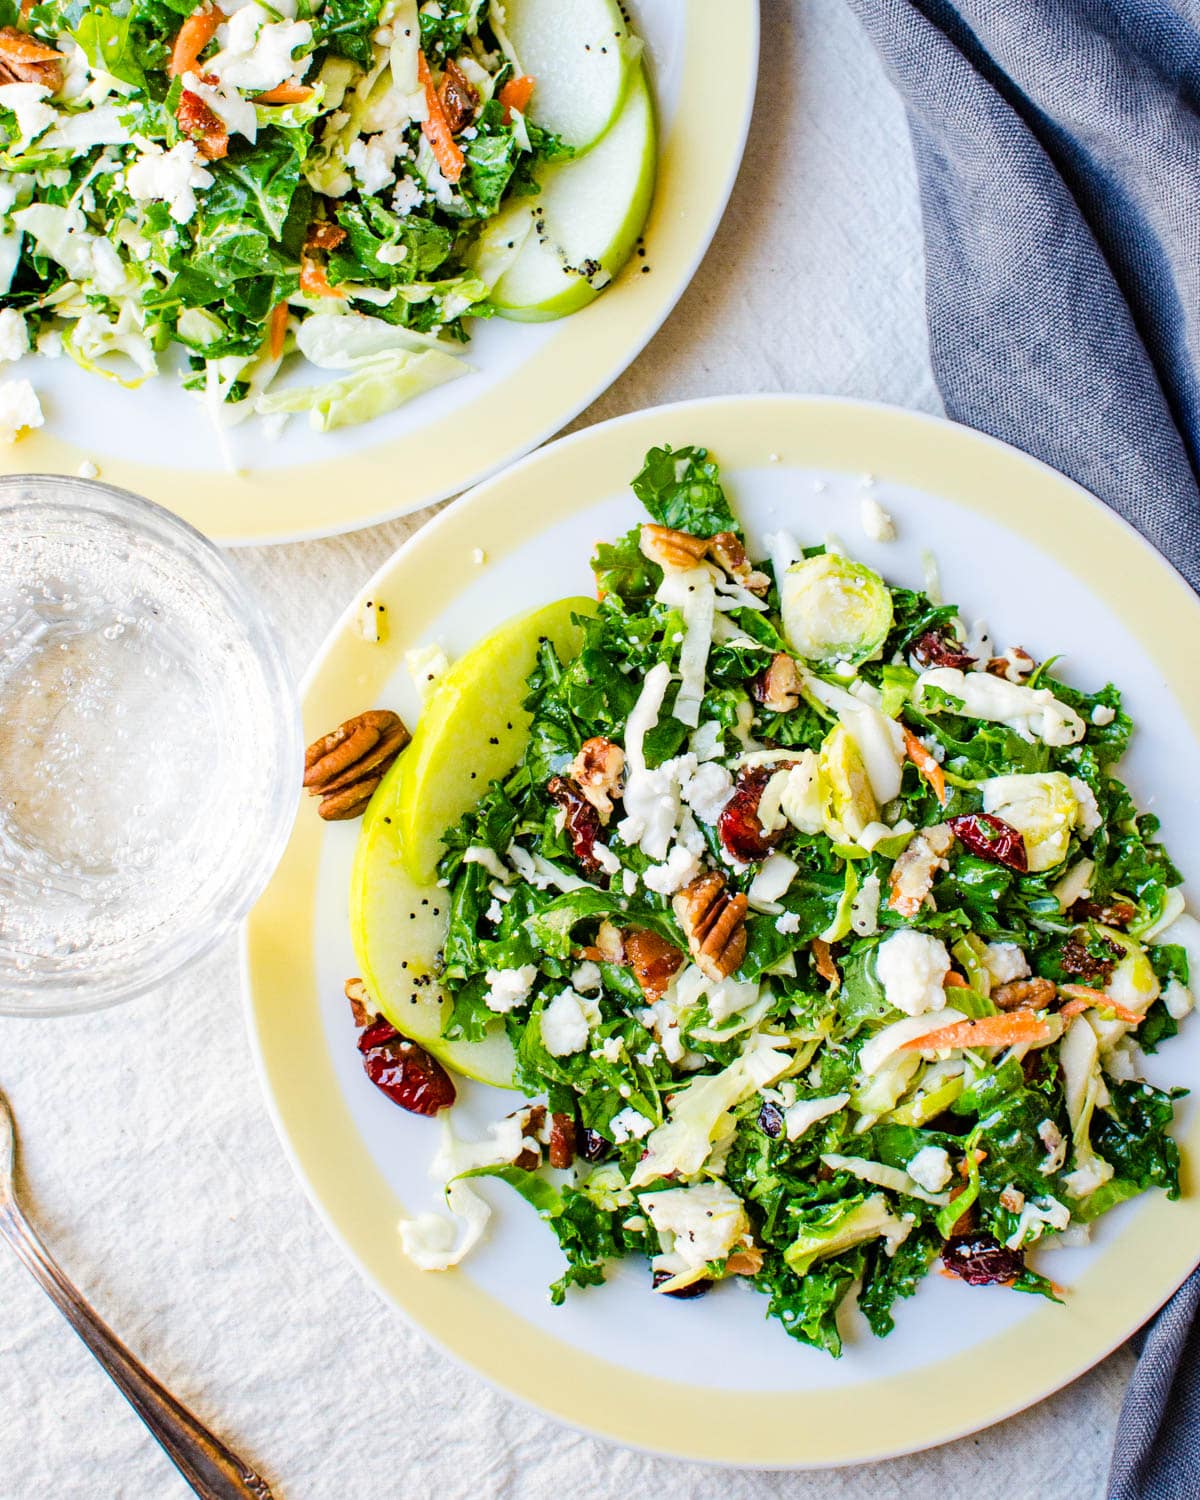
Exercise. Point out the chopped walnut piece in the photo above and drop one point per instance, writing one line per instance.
(361, 1007)
(652, 959)
(916, 868)
(672, 549)
(777, 687)
(714, 923)
(324, 234)
(727, 550)
(23, 59)
(596, 771)
(1024, 994)
(202, 125)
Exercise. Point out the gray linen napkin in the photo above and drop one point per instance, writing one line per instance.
(1058, 151)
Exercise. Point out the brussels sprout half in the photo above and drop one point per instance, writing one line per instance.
(834, 609)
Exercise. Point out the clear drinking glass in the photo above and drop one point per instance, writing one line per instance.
(150, 746)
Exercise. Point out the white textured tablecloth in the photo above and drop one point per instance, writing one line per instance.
(151, 1165)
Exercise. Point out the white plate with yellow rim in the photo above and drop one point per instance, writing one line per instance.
(1049, 567)
(527, 380)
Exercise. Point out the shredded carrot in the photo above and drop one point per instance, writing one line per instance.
(436, 128)
(285, 93)
(193, 36)
(314, 282)
(515, 95)
(1015, 1029)
(926, 764)
(277, 329)
(954, 981)
(1082, 998)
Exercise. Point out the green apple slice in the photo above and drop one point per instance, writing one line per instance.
(474, 723)
(473, 729)
(586, 219)
(578, 52)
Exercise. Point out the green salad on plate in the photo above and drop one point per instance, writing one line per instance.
(817, 930)
(300, 205)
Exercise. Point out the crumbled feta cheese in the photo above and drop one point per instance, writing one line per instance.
(876, 522)
(930, 1168)
(14, 334)
(256, 51)
(508, 988)
(50, 344)
(679, 867)
(629, 881)
(912, 967)
(788, 922)
(566, 1022)
(1085, 1179)
(19, 409)
(586, 977)
(705, 1221)
(605, 858)
(1102, 714)
(479, 557)
(88, 470)
(170, 177)
(1088, 818)
(705, 788)
(1006, 962)
(1035, 1218)
(629, 1124)
(406, 197)
(27, 102)
(706, 742)
(495, 912)
(612, 1049)
(371, 163)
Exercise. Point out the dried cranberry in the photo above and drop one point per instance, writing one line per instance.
(936, 648)
(991, 838)
(562, 1140)
(770, 1120)
(404, 1071)
(582, 821)
(696, 1289)
(1092, 968)
(592, 1145)
(744, 837)
(981, 1260)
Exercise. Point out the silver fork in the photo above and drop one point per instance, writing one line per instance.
(205, 1462)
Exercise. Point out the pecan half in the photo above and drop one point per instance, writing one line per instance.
(714, 923)
(361, 1007)
(562, 1140)
(745, 1261)
(458, 96)
(596, 771)
(917, 866)
(672, 549)
(652, 959)
(344, 768)
(1024, 994)
(777, 687)
(823, 963)
(23, 59)
(202, 125)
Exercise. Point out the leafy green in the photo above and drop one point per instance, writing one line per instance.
(681, 488)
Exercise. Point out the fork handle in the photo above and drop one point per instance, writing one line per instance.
(212, 1470)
